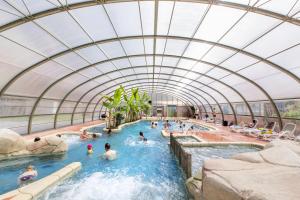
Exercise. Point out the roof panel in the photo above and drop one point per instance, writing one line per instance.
(247, 30)
(147, 15)
(54, 23)
(125, 23)
(274, 41)
(186, 12)
(94, 27)
(217, 22)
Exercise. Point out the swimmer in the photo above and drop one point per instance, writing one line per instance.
(109, 131)
(94, 136)
(84, 135)
(109, 154)
(89, 149)
(142, 137)
(29, 175)
(153, 125)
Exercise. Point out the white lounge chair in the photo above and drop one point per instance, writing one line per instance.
(236, 128)
(248, 130)
(268, 129)
(288, 132)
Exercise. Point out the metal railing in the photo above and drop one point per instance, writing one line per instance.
(184, 158)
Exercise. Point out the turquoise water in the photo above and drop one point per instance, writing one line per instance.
(141, 171)
(185, 126)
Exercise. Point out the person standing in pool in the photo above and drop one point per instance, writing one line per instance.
(109, 154)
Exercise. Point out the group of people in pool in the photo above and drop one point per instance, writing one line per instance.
(31, 173)
(109, 153)
(85, 136)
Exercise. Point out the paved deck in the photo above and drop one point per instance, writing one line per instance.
(223, 134)
(73, 128)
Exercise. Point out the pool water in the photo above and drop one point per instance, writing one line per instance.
(176, 127)
(200, 154)
(141, 171)
(187, 139)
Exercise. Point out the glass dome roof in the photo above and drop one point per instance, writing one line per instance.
(203, 52)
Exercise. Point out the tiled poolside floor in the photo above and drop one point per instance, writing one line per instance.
(221, 134)
(76, 127)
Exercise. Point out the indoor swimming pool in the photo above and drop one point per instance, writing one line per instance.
(142, 170)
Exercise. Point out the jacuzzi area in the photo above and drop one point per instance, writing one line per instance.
(200, 154)
(187, 139)
(187, 126)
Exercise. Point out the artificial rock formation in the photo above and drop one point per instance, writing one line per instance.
(270, 174)
(12, 144)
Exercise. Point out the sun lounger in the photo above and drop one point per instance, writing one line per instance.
(248, 130)
(288, 132)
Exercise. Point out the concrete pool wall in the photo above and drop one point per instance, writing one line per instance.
(35, 189)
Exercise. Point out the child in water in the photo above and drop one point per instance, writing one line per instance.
(89, 149)
(29, 175)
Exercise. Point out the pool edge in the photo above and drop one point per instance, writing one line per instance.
(37, 188)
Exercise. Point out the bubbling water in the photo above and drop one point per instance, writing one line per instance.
(131, 141)
(111, 186)
(71, 140)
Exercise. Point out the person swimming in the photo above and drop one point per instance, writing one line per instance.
(153, 125)
(142, 137)
(89, 149)
(109, 154)
(29, 175)
(109, 131)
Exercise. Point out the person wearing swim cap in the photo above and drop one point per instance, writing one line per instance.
(89, 149)
(109, 154)
(29, 175)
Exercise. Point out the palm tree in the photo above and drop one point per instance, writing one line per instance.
(113, 104)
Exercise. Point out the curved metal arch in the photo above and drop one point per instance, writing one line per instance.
(239, 94)
(173, 81)
(56, 10)
(161, 91)
(245, 101)
(269, 63)
(250, 110)
(147, 82)
(61, 102)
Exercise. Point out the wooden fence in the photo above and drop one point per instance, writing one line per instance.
(184, 158)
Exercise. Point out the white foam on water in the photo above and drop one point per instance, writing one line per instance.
(112, 187)
(71, 139)
(130, 141)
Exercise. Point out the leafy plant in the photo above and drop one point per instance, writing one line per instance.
(132, 106)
